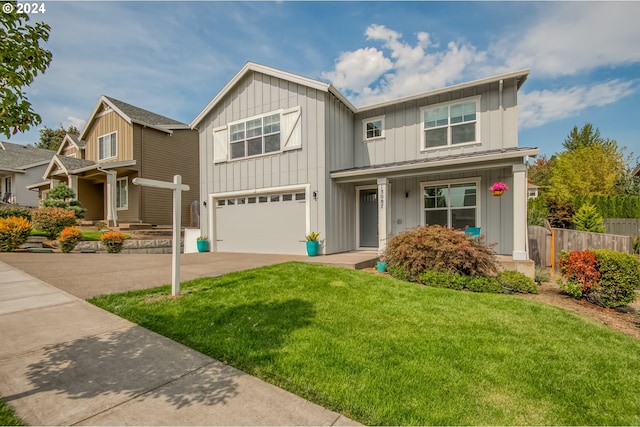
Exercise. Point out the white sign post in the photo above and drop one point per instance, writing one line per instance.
(177, 187)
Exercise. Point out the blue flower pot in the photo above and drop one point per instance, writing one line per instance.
(382, 266)
(312, 247)
(203, 245)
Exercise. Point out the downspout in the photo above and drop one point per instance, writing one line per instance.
(500, 95)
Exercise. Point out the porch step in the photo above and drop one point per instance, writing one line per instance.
(33, 242)
(135, 226)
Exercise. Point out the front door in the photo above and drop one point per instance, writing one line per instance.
(368, 217)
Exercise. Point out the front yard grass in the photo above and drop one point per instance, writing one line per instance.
(387, 352)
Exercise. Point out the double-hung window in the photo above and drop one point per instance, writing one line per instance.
(452, 205)
(107, 146)
(255, 137)
(122, 193)
(450, 124)
(373, 128)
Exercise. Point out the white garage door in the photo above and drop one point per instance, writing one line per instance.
(270, 223)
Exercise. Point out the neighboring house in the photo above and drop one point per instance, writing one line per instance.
(282, 155)
(21, 166)
(636, 171)
(121, 142)
(532, 190)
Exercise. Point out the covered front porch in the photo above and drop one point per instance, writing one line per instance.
(393, 198)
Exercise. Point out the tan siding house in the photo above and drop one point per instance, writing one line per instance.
(119, 143)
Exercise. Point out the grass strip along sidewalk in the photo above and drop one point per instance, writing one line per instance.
(387, 352)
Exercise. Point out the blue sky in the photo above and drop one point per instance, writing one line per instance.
(173, 57)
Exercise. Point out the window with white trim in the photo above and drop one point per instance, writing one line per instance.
(450, 124)
(373, 128)
(122, 193)
(107, 146)
(255, 137)
(452, 205)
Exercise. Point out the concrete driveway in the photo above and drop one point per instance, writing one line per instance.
(89, 275)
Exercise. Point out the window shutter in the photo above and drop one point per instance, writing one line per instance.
(291, 129)
(220, 145)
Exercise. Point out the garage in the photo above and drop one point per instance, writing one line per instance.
(272, 223)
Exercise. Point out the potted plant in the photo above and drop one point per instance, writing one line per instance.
(498, 188)
(203, 244)
(382, 264)
(312, 243)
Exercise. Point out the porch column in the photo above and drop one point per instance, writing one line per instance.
(72, 183)
(520, 251)
(383, 208)
(112, 216)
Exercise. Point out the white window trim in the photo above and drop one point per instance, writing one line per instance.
(126, 180)
(364, 128)
(421, 129)
(114, 155)
(247, 119)
(475, 180)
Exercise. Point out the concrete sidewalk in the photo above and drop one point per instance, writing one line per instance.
(66, 362)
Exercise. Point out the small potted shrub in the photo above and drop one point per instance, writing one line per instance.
(203, 244)
(382, 264)
(112, 241)
(69, 238)
(312, 243)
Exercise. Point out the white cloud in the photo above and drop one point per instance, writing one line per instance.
(399, 69)
(74, 121)
(573, 37)
(542, 106)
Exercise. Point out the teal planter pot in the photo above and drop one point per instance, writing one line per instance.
(312, 247)
(203, 245)
(382, 266)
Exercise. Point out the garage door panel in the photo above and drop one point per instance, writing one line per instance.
(272, 227)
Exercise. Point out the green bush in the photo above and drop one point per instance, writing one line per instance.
(537, 211)
(52, 220)
(441, 249)
(636, 245)
(62, 196)
(17, 211)
(619, 278)
(442, 279)
(448, 280)
(14, 231)
(588, 219)
(515, 281)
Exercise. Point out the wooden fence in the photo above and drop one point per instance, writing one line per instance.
(622, 226)
(540, 243)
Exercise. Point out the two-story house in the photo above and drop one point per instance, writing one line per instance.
(121, 142)
(282, 155)
(21, 166)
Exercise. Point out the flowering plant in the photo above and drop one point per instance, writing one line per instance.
(202, 238)
(112, 241)
(69, 238)
(499, 186)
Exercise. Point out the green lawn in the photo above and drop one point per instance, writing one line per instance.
(387, 352)
(8, 417)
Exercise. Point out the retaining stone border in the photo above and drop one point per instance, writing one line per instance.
(153, 246)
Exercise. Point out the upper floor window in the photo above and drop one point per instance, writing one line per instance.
(107, 146)
(450, 124)
(373, 128)
(254, 137)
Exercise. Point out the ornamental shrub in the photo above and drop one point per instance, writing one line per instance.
(19, 211)
(588, 219)
(483, 284)
(52, 220)
(69, 238)
(62, 196)
(448, 280)
(580, 272)
(112, 241)
(515, 281)
(619, 278)
(14, 231)
(438, 248)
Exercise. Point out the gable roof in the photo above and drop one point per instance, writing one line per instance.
(72, 139)
(519, 76)
(253, 67)
(17, 157)
(132, 114)
(636, 171)
(68, 165)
